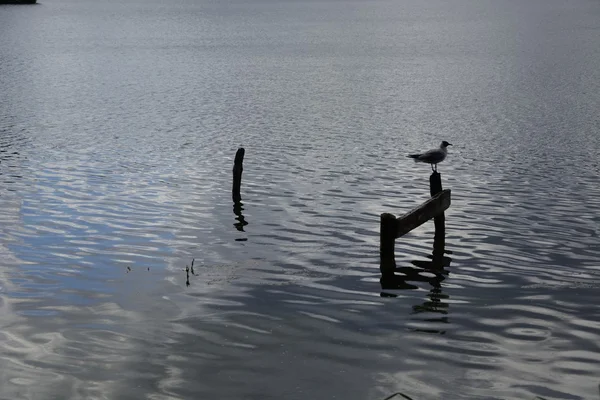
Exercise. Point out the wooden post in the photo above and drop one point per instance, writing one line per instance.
(238, 168)
(435, 183)
(435, 187)
(439, 248)
(387, 237)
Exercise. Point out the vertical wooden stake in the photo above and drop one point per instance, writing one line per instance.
(435, 183)
(387, 236)
(439, 248)
(435, 186)
(238, 168)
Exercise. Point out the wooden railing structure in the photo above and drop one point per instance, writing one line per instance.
(393, 227)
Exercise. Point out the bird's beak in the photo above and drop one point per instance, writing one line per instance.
(449, 144)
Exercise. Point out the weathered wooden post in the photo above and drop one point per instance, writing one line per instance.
(238, 168)
(439, 249)
(435, 187)
(387, 232)
(435, 183)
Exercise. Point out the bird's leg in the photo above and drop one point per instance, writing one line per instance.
(432, 167)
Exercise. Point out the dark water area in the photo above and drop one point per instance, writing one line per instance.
(119, 122)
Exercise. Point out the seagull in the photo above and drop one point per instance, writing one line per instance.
(432, 157)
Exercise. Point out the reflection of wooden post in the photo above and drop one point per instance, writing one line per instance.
(435, 186)
(237, 174)
(387, 232)
(238, 207)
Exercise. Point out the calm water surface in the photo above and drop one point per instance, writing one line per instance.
(119, 121)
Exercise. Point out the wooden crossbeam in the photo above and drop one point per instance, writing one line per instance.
(423, 213)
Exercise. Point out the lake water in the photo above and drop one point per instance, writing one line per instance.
(119, 122)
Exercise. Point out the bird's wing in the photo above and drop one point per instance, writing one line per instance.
(433, 156)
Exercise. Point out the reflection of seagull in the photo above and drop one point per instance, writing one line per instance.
(434, 156)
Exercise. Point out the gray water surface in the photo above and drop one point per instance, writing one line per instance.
(119, 122)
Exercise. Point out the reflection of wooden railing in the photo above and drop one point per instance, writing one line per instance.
(393, 228)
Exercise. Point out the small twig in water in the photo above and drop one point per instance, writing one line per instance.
(398, 394)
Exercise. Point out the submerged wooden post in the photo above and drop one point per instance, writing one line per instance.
(387, 237)
(435, 187)
(238, 168)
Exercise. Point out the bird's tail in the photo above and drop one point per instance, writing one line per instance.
(415, 156)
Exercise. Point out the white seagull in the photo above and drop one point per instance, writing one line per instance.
(432, 157)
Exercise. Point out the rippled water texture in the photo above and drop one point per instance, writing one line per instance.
(119, 122)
